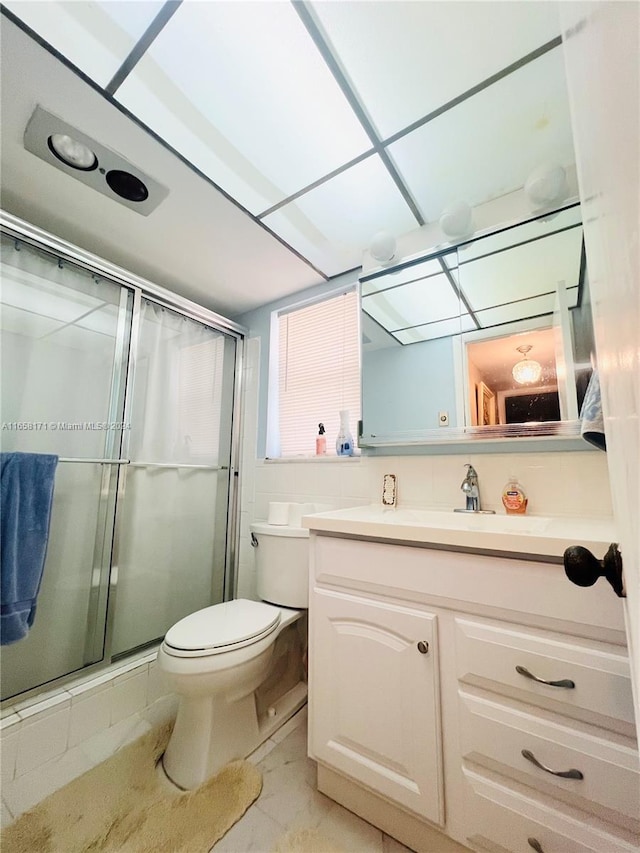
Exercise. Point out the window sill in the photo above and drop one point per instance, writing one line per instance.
(322, 460)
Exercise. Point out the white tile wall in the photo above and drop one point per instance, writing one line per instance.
(559, 483)
(47, 743)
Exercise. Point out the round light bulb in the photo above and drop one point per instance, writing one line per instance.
(73, 153)
(383, 247)
(456, 220)
(546, 184)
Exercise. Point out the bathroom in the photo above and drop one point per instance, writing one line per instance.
(193, 247)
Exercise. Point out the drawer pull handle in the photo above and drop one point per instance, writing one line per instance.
(564, 682)
(423, 647)
(533, 842)
(566, 774)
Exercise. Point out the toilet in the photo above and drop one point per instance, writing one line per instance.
(237, 667)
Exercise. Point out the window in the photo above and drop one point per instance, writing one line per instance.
(318, 372)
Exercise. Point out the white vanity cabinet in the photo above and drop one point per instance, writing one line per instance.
(477, 699)
(375, 671)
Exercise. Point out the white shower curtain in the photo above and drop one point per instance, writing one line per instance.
(178, 389)
(167, 555)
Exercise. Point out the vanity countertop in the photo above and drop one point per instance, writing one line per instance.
(529, 534)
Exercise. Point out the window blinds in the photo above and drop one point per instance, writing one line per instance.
(319, 373)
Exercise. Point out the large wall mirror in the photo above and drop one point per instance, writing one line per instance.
(491, 339)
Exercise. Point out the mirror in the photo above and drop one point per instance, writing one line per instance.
(489, 339)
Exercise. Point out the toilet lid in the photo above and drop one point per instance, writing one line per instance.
(228, 624)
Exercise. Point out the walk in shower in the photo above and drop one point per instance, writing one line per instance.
(136, 391)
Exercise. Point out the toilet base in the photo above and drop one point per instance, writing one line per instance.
(251, 701)
(187, 765)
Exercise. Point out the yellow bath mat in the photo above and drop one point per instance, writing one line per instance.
(123, 806)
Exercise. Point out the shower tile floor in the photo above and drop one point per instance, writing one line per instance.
(290, 801)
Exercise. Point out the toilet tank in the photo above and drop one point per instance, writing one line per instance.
(282, 564)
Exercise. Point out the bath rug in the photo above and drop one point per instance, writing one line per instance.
(124, 806)
(306, 841)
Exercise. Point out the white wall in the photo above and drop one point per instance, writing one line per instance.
(558, 483)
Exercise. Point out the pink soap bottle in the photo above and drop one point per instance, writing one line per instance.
(321, 442)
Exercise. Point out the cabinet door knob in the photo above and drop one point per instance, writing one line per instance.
(423, 647)
(583, 569)
(564, 682)
(533, 842)
(566, 774)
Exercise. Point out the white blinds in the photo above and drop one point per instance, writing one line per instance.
(319, 373)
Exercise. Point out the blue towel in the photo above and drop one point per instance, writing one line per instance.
(591, 418)
(26, 491)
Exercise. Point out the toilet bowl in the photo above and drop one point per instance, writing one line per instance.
(237, 666)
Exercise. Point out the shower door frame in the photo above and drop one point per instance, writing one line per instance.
(24, 231)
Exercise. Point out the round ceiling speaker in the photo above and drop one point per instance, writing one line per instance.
(456, 221)
(127, 185)
(383, 247)
(546, 185)
(71, 152)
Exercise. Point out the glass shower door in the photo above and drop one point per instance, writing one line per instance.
(172, 518)
(65, 335)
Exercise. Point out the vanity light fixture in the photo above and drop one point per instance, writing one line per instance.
(383, 247)
(526, 371)
(456, 221)
(546, 185)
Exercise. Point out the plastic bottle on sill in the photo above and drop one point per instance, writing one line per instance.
(321, 441)
(344, 440)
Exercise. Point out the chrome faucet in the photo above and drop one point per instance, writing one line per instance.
(471, 490)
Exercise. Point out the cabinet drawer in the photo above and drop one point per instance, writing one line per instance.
(500, 818)
(491, 657)
(492, 732)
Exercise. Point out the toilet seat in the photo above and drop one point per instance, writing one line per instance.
(222, 628)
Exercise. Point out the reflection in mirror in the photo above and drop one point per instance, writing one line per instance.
(489, 339)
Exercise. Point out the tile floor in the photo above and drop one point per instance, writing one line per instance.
(290, 800)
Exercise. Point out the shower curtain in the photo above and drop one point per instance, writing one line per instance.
(172, 505)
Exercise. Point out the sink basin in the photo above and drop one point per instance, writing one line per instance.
(528, 534)
(434, 518)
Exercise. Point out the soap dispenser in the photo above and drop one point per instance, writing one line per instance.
(513, 497)
(344, 440)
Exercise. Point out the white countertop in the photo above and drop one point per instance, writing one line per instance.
(528, 534)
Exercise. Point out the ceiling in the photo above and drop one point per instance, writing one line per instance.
(286, 133)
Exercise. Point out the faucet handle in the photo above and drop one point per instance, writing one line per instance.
(471, 470)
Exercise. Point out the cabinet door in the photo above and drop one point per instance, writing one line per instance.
(375, 700)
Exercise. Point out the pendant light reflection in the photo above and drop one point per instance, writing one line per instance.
(526, 371)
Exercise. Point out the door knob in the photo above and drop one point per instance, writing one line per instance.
(583, 569)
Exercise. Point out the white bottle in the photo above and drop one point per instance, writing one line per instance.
(344, 441)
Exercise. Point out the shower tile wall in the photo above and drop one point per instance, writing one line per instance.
(557, 484)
